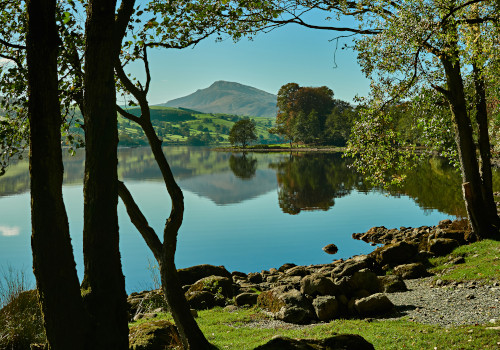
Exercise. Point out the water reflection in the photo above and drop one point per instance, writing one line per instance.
(243, 166)
(303, 181)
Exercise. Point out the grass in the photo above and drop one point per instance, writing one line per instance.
(482, 263)
(237, 330)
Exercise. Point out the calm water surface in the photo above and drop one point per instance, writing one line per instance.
(246, 212)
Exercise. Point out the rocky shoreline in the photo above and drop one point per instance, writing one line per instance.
(391, 282)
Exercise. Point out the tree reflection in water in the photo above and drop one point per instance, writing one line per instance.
(243, 167)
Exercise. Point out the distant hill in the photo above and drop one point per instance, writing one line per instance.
(229, 98)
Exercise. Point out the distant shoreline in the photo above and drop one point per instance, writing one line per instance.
(281, 149)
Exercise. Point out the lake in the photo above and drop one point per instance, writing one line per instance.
(246, 212)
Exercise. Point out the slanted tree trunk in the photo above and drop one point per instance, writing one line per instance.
(104, 283)
(191, 335)
(53, 261)
(472, 183)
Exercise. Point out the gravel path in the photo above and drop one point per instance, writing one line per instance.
(454, 304)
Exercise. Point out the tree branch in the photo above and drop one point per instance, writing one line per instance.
(128, 115)
(12, 46)
(140, 222)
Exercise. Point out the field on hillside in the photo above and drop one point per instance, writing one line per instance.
(184, 126)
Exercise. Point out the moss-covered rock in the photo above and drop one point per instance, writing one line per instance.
(192, 274)
(217, 285)
(154, 335)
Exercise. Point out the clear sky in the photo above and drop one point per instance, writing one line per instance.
(288, 54)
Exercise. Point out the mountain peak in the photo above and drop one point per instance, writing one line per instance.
(230, 98)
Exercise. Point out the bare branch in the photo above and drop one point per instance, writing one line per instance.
(13, 59)
(146, 68)
(12, 46)
(140, 222)
(128, 115)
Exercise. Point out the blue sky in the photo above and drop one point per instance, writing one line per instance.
(288, 54)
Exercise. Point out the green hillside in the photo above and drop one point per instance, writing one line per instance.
(182, 126)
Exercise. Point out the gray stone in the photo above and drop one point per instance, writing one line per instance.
(364, 279)
(317, 284)
(392, 284)
(442, 246)
(246, 299)
(192, 274)
(330, 249)
(289, 306)
(374, 304)
(326, 307)
(410, 271)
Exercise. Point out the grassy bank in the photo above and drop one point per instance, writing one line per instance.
(246, 328)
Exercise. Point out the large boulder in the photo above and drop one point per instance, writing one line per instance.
(352, 265)
(326, 307)
(395, 253)
(192, 274)
(154, 335)
(246, 299)
(317, 284)
(392, 284)
(337, 342)
(410, 271)
(364, 279)
(201, 300)
(374, 304)
(217, 285)
(289, 306)
(442, 246)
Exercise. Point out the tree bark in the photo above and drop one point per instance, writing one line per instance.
(484, 145)
(105, 297)
(473, 189)
(53, 261)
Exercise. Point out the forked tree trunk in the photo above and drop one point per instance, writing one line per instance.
(105, 296)
(481, 223)
(53, 261)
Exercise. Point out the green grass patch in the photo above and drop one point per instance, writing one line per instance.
(482, 263)
(237, 330)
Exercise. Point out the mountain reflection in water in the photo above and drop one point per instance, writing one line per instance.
(305, 181)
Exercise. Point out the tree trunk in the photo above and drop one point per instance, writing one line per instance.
(192, 336)
(53, 261)
(484, 145)
(105, 296)
(472, 184)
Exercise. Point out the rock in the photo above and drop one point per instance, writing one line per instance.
(330, 249)
(192, 274)
(144, 302)
(255, 277)
(217, 285)
(326, 307)
(285, 267)
(392, 284)
(289, 306)
(246, 299)
(410, 271)
(201, 300)
(374, 304)
(444, 223)
(154, 335)
(457, 235)
(338, 342)
(352, 265)
(395, 253)
(442, 246)
(241, 275)
(300, 271)
(364, 279)
(317, 285)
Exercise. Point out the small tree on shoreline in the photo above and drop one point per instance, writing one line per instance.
(243, 132)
